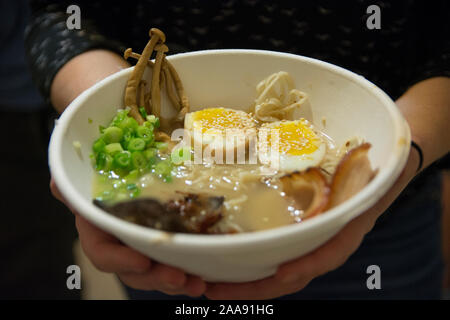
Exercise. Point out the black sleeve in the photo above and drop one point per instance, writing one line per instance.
(49, 44)
(432, 26)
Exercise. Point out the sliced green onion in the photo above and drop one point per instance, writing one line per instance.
(120, 116)
(112, 135)
(127, 136)
(136, 144)
(99, 145)
(113, 148)
(145, 133)
(122, 159)
(138, 160)
(163, 168)
(149, 125)
(103, 161)
(100, 161)
(150, 153)
(132, 176)
(121, 172)
(129, 123)
(126, 150)
(153, 120)
(143, 112)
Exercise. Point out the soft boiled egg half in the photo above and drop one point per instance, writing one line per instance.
(212, 127)
(295, 144)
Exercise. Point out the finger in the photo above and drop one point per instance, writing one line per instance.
(146, 282)
(106, 252)
(195, 286)
(240, 291)
(169, 276)
(163, 278)
(268, 288)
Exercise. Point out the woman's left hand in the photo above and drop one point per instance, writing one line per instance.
(295, 275)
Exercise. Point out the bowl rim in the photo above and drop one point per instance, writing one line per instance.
(345, 211)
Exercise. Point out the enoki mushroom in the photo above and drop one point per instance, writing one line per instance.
(163, 75)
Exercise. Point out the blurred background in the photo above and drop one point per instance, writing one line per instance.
(38, 240)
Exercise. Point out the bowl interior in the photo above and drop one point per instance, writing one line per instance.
(341, 104)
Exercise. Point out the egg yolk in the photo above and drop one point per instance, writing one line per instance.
(218, 119)
(295, 138)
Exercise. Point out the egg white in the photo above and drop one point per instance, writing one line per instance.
(296, 162)
(214, 138)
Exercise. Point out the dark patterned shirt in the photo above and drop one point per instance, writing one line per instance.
(412, 44)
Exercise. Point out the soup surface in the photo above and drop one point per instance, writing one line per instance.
(253, 194)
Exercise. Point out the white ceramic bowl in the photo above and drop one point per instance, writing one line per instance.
(351, 106)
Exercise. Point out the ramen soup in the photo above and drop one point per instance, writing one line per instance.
(232, 172)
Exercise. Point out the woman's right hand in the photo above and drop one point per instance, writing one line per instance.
(106, 252)
(135, 270)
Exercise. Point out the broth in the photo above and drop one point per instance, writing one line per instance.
(253, 197)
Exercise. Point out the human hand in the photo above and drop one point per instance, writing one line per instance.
(137, 271)
(295, 275)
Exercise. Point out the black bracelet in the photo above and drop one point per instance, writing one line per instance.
(419, 150)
